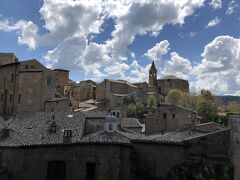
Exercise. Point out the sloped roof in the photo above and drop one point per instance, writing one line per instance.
(197, 131)
(33, 128)
(130, 123)
(119, 136)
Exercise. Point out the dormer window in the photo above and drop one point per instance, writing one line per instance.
(67, 136)
(110, 124)
(110, 127)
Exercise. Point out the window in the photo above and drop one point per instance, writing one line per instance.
(110, 127)
(90, 171)
(1, 98)
(4, 82)
(173, 115)
(33, 67)
(19, 98)
(58, 86)
(26, 66)
(12, 77)
(165, 115)
(56, 170)
(11, 97)
(49, 81)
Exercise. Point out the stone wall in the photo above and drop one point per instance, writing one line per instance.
(112, 161)
(167, 84)
(7, 58)
(154, 161)
(234, 125)
(8, 78)
(57, 105)
(169, 118)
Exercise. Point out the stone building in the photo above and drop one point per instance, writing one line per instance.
(169, 118)
(84, 91)
(234, 125)
(165, 84)
(26, 85)
(46, 145)
(110, 93)
(172, 82)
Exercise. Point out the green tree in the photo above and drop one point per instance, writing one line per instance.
(207, 95)
(186, 100)
(174, 97)
(129, 99)
(151, 104)
(131, 110)
(151, 101)
(140, 110)
(207, 109)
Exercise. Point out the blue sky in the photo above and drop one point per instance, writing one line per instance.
(195, 39)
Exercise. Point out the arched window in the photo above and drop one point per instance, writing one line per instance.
(56, 170)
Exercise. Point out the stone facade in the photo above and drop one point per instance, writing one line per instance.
(26, 85)
(234, 125)
(169, 118)
(167, 83)
(7, 58)
(108, 152)
(111, 92)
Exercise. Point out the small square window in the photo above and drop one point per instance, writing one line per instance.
(173, 116)
(12, 77)
(165, 115)
(19, 98)
(11, 97)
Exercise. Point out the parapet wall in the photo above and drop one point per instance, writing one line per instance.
(234, 124)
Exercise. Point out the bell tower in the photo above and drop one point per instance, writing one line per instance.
(153, 75)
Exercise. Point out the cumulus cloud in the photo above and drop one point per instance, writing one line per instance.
(26, 29)
(219, 68)
(215, 4)
(156, 52)
(178, 66)
(232, 7)
(148, 16)
(213, 22)
(70, 24)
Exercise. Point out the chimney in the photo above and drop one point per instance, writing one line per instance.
(67, 136)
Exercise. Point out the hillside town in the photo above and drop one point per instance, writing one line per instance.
(56, 129)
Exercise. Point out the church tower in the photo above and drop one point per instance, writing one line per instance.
(153, 75)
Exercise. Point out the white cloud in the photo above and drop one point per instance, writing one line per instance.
(148, 16)
(178, 66)
(117, 70)
(70, 24)
(219, 68)
(232, 7)
(215, 4)
(156, 52)
(26, 29)
(213, 22)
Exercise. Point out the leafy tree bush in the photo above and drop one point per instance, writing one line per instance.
(129, 99)
(174, 97)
